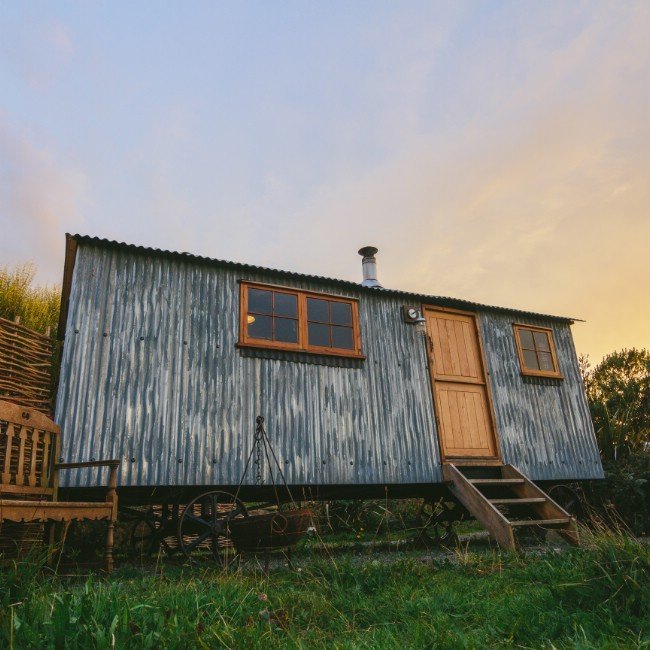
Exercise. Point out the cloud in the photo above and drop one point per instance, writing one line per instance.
(540, 202)
(40, 198)
(498, 152)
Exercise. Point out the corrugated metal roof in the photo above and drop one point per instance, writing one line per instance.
(438, 300)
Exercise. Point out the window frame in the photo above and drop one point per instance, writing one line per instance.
(531, 372)
(302, 345)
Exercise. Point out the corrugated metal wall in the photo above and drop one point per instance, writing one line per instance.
(150, 374)
(544, 425)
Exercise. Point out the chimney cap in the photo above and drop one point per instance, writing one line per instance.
(368, 251)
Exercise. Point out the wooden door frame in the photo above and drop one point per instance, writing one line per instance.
(497, 459)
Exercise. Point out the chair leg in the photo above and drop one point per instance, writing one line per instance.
(58, 536)
(110, 532)
(50, 537)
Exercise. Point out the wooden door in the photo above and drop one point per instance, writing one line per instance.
(460, 389)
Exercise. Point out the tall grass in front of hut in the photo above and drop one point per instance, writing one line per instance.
(590, 597)
(36, 306)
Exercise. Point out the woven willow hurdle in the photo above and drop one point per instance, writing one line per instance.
(25, 366)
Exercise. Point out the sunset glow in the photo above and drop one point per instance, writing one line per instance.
(498, 152)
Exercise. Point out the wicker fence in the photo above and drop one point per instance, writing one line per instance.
(25, 366)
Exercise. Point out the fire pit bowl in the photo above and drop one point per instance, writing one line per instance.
(270, 531)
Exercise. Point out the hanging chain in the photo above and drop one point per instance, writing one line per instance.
(259, 433)
(262, 447)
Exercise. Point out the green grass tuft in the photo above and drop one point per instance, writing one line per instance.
(590, 597)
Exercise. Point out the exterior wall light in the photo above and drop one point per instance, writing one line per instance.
(414, 316)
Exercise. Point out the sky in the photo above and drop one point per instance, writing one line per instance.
(493, 151)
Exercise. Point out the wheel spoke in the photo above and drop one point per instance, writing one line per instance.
(216, 549)
(194, 543)
(215, 508)
(197, 520)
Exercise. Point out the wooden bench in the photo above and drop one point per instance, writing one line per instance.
(29, 451)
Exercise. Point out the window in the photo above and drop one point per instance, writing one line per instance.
(288, 319)
(536, 350)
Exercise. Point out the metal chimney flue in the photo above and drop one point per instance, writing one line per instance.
(369, 266)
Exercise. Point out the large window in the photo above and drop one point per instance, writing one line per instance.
(536, 350)
(288, 319)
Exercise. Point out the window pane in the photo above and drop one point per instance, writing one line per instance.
(530, 360)
(341, 313)
(285, 305)
(286, 330)
(546, 361)
(541, 341)
(260, 301)
(342, 338)
(259, 327)
(526, 339)
(318, 310)
(319, 334)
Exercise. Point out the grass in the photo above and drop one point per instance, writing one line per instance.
(38, 307)
(592, 597)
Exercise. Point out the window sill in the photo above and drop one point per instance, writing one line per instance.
(542, 375)
(317, 353)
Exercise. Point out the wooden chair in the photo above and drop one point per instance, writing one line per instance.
(29, 449)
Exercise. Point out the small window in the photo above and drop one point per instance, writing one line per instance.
(274, 317)
(536, 350)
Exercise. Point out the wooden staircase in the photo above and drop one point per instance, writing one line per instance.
(506, 501)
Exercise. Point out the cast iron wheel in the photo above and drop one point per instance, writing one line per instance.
(203, 533)
(568, 499)
(146, 532)
(436, 522)
(153, 527)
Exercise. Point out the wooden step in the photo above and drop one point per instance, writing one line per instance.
(517, 502)
(540, 522)
(470, 493)
(497, 481)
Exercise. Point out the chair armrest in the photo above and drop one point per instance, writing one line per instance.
(89, 463)
(112, 479)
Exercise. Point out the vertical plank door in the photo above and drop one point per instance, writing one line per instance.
(463, 414)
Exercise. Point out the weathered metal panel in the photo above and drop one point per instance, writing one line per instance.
(544, 425)
(151, 374)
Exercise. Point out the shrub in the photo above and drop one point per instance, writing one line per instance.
(623, 495)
